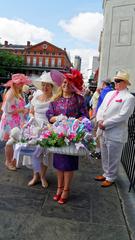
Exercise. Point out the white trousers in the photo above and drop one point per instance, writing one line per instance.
(111, 154)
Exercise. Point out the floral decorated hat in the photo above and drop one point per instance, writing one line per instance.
(76, 79)
(17, 79)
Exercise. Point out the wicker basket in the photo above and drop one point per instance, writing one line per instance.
(69, 150)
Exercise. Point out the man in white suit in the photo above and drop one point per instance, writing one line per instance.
(112, 118)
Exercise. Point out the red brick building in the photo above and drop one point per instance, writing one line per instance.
(40, 57)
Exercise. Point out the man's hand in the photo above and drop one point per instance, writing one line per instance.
(101, 125)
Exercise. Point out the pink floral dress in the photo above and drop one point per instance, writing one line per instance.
(9, 119)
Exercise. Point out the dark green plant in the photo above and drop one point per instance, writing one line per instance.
(8, 61)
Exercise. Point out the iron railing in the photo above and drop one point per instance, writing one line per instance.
(128, 153)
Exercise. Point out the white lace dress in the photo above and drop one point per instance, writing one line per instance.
(40, 109)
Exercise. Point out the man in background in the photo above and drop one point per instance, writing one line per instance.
(106, 87)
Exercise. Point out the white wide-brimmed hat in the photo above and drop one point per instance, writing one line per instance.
(44, 78)
(122, 75)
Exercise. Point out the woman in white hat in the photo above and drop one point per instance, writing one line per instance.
(40, 102)
(39, 106)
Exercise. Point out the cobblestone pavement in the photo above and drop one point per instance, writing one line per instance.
(29, 213)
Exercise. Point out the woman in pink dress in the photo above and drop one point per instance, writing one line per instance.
(13, 113)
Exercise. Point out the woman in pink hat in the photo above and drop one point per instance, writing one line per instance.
(13, 113)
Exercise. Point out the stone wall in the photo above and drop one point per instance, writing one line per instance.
(118, 39)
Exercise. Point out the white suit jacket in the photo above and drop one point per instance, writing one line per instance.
(115, 116)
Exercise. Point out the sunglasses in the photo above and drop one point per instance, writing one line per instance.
(118, 80)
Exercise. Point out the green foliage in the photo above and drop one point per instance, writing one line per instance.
(7, 61)
(3, 72)
(10, 59)
(91, 145)
(78, 137)
(52, 140)
(24, 140)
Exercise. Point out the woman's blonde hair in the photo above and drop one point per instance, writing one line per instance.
(17, 94)
(58, 94)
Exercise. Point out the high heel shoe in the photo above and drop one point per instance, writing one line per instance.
(56, 197)
(63, 200)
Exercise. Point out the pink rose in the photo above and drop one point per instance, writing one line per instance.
(71, 136)
(60, 135)
(46, 134)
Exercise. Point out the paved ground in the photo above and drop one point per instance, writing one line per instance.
(92, 212)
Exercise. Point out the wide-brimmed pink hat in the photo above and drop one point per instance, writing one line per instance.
(18, 78)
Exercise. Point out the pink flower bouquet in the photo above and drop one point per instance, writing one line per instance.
(67, 132)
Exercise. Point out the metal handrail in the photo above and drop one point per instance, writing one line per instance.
(128, 153)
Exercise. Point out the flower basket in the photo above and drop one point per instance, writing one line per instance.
(69, 150)
(68, 137)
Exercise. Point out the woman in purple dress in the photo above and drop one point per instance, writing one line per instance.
(71, 104)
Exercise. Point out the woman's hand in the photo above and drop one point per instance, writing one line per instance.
(21, 110)
(57, 118)
(26, 111)
(53, 119)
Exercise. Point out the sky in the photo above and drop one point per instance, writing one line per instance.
(71, 24)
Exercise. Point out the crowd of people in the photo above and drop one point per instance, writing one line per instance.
(108, 108)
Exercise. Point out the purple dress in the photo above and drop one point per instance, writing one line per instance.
(71, 107)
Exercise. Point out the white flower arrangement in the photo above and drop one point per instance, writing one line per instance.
(15, 136)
